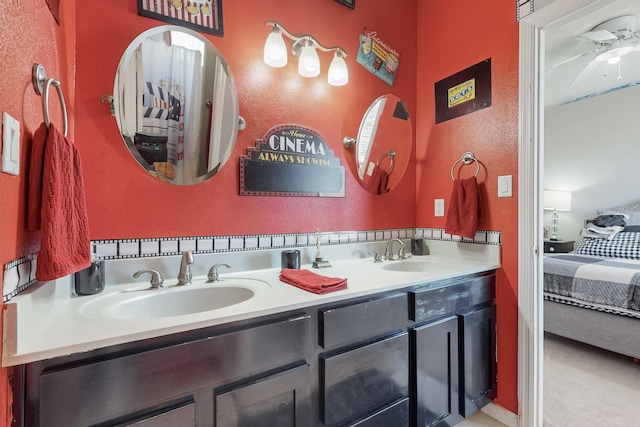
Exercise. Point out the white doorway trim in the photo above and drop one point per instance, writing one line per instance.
(530, 186)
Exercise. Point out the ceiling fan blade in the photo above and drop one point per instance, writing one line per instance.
(600, 36)
(591, 67)
(573, 58)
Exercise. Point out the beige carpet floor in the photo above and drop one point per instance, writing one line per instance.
(585, 386)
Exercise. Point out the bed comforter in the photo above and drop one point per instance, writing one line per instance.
(606, 284)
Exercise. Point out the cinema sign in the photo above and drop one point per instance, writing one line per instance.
(291, 160)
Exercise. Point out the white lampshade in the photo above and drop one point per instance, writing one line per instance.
(338, 72)
(309, 63)
(275, 51)
(558, 200)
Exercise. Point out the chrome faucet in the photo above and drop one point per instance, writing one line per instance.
(184, 277)
(388, 251)
(212, 276)
(376, 256)
(156, 278)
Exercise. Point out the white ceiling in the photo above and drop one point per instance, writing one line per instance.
(566, 42)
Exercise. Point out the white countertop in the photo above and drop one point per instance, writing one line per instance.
(45, 322)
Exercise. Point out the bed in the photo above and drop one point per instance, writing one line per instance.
(592, 294)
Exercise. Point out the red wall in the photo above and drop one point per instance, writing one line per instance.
(124, 201)
(28, 34)
(452, 37)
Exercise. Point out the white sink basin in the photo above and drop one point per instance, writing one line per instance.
(174, 300)
(413, 265)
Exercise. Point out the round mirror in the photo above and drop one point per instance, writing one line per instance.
(176, 105)
(383, 146)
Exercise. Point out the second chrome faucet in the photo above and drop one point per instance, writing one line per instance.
(184, 276)
(388, 252)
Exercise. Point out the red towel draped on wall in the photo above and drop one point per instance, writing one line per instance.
(57, 205)
(462, 219)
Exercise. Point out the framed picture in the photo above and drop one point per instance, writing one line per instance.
(464, 92)
(199, 15)
(348, 3)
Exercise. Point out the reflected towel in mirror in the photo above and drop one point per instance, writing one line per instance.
(377, 182)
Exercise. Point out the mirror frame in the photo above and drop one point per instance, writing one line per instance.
(237, 124)
(390, 156)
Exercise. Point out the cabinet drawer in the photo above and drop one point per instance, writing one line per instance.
(558, 246)
(430, 303)
(396, 414)
(355, 322)
(182, 416)
(94, 392)
(357, 382)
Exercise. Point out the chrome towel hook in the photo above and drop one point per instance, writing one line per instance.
(41, 85)
(466, 159)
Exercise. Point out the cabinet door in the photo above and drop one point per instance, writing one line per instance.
(396, 415)
(435, 349)
(358, 382)
(478, 329)
(280, 400)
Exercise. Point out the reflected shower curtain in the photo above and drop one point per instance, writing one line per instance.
(171, 95)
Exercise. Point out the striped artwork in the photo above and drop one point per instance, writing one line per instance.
(159, 104)
(200, 15)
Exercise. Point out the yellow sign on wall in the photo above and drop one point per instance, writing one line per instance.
(462, 93)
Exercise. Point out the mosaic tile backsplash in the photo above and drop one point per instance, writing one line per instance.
(19, 274)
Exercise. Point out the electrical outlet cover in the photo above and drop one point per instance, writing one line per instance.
(10, 145)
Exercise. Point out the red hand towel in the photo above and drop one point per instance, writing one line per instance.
(57, 205)
(34, 200)
(377, 182)
(312, 282)
(462, 219)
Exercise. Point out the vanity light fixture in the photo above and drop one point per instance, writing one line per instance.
(338, 72)
(275, 51)
(309, 62)
(306, 48)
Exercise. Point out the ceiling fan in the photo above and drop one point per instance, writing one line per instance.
(613, 39)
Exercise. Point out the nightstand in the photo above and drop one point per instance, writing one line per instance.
(558, 246)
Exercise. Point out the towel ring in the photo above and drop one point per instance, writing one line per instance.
(42, 84)
(391, 154)
(466, 159)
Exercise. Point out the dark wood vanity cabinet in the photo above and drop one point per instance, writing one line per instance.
(453, 350)
(421, 356)
(364, 368)
(221, 376)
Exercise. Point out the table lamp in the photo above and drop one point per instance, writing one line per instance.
(556, 201)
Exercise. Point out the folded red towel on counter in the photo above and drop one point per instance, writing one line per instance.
(312, 282)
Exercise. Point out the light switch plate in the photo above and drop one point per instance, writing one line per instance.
(504, 186)
(439, 207)
(10, 145)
